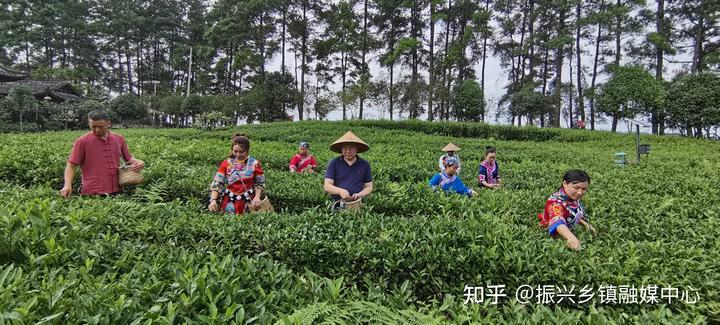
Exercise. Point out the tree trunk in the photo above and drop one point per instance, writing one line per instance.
(138, 67)
(521, 53)
(261, 48)
(698, 46)
(63, 49)
(303, 63)
(544, 84)
(27, 53)
(189, 76)
(229, 72)
(415, 32)
(317, 96)
(364, 52)
(659, 25)
(448, 69)
(391, 90)
(284, 23)
(594, 74)
(343, 63)
(448, 88)
(448, 104)
(241, 76)
(571, 116)
(431, 80)
(121, 75)
(578, 54)
(48, 51)
(461, 61)
(484, 55)
(129, 70)
(614, 122)
(558, 73)
(617, 36)
(532, 61)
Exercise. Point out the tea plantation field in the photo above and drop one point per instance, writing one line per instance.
(154, 255)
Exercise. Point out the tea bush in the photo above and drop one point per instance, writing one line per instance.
(155, 255)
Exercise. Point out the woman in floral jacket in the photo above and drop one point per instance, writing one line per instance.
(239, 181)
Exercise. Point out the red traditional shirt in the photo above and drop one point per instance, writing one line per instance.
(99, 159)
(299, 163)
(560, 209)
(237, 180)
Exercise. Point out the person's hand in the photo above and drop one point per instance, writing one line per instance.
(310, 171)
(573, 244)
(66, 191)
(213, 207)
(497, 186)
(255, 203)
(345, 195)
(357, 196)
(590, 228)
(137, 165)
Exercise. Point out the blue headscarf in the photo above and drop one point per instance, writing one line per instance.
(451, 161)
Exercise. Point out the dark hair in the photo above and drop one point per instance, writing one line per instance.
(241, 140)
(576, 176)
(489, 150)
(98, 115)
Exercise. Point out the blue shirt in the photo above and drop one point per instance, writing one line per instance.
(348, 177)
(456, 185)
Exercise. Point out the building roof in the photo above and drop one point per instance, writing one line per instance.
(7, 74)
(58, 90)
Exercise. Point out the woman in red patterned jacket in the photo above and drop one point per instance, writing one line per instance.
(563, 209)
(303, 161)
(239, 181)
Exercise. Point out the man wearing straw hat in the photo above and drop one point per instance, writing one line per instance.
(449, 152)
(348, 176)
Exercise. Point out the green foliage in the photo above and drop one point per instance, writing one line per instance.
(20, 106)
(631, 90)
(73, 115)
(211, 121)
(527, 101)
(128, 108)
(358, 312)
(172, 105)
(694, 100)
(192, 105)
(469, 101)
(270, 98)
(155, 254)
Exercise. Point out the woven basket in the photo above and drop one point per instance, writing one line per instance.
(127, 177)
(353, 205)
(265, 206)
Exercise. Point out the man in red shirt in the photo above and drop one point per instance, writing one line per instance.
(98, 154)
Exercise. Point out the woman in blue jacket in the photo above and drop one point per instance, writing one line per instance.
(449, 181)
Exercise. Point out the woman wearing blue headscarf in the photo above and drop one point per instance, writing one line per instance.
(448, 180)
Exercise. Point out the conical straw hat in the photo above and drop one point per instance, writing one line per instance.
(450, 147)
(349, 137)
